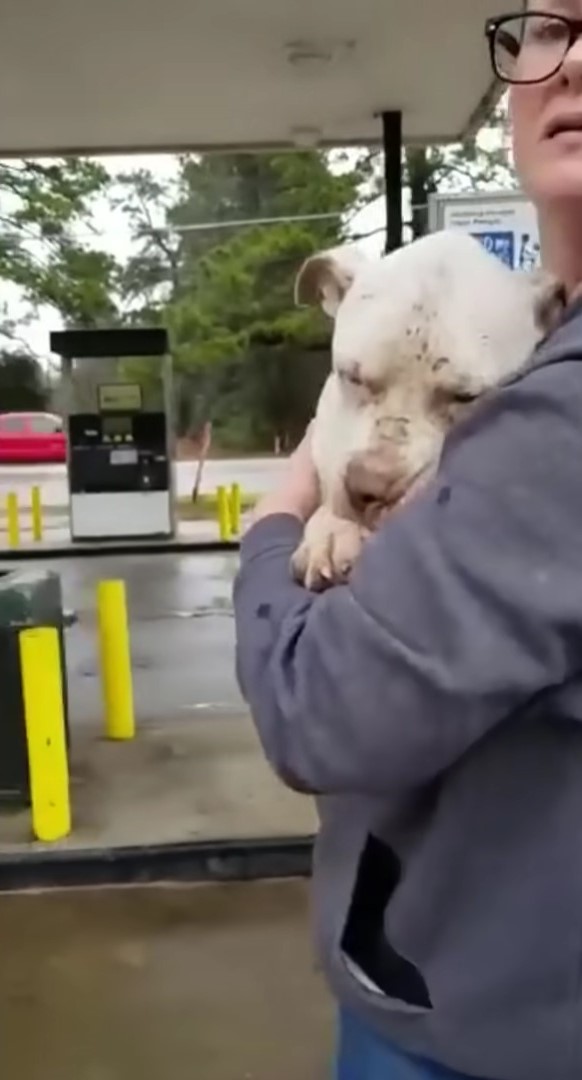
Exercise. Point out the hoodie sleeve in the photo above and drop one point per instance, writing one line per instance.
(462, 608)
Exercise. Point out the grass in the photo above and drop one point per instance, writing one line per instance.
(205, 508)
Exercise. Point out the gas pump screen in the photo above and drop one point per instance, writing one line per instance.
(117, 426)
(122, 397)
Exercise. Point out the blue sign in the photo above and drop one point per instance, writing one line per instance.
(529, 253)
(518, 251)
(501, 244)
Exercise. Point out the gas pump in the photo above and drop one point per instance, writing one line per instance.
(117, 391)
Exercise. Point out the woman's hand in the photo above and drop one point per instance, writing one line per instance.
(298, 492)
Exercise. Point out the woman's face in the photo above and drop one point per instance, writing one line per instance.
(550, 166)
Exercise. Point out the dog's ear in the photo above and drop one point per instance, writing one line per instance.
(550, 299)
(326, 277)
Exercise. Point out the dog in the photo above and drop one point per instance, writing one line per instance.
(419, 337)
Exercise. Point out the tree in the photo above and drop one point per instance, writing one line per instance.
(46, 229)
(479, 162)
(151, 276)
(243, 355)
(48, 250)
(22, 383)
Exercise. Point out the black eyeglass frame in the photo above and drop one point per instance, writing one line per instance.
(574, 27)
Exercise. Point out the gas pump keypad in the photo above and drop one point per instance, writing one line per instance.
(118, 452)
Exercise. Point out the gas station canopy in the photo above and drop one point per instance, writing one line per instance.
(149, 75)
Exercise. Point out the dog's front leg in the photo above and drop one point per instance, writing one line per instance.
(329, 548)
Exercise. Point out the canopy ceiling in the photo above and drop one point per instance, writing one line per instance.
(145, 75)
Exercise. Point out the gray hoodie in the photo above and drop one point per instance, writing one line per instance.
(434, 707)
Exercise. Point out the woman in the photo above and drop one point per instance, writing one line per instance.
(434, 704)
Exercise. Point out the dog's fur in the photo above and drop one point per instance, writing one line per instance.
(419, 336)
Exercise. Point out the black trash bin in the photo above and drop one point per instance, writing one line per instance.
(27, 598)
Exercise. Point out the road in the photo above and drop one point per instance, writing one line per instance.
(255, 475)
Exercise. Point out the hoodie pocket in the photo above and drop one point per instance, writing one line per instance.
(364, 944)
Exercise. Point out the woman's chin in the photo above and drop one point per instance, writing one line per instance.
(558, 179)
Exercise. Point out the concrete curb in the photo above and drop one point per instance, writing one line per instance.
(118, 547)
(211, 861)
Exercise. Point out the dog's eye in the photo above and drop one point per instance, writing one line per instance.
(463, 397)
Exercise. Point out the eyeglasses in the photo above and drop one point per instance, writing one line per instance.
(530, 47)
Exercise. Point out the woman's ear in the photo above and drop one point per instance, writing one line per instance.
(326, 277)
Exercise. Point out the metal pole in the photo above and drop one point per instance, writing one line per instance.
(44, 713)
(168, 398)
(392, 147)
(13, 522)
(116, 680)
(36, 501)
(223, 508)
(235, 507)
(238, 223)
(67, 399)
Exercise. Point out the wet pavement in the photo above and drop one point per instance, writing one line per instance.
(182, 632)
(180, 781)
(196, 771)
(192, 983)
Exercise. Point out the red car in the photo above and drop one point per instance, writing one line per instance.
(34, 437)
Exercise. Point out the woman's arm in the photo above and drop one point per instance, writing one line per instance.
(461, 609)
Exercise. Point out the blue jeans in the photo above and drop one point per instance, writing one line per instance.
(362, 1055)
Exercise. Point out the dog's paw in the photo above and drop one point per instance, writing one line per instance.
(329, 548)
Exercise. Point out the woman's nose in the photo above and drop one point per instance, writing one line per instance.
(572, 66)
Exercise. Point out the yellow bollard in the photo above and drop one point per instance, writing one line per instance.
(116, 677)
(13, 522)
(42, 692)
(36, 514)
(224, 523)
(235, 501)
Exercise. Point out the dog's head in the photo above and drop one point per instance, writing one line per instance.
(419, 336)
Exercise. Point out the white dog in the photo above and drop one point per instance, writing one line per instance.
(419, 336)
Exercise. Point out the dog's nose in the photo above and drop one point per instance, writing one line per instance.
(375, 480)
(394, 429)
